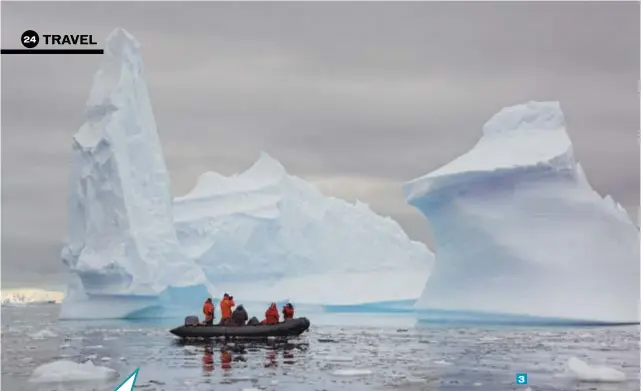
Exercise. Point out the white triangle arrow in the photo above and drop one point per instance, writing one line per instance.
(128, 384)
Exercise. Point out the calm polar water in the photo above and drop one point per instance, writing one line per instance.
(387, 350)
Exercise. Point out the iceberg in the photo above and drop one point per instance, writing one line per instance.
(520, 232)
(262, 235)
(122, 246)
(266, 235)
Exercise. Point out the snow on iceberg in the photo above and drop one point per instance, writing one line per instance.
(122, 245)
(267, 235)
(519, 230)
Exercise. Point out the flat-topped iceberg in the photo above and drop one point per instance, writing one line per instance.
(519, 230)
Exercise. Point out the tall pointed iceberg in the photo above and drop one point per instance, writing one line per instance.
(122, 242)
(519, 230)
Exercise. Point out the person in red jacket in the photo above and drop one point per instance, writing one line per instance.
(271, 315)
(226, 305)
(208, 310)
(288, 311)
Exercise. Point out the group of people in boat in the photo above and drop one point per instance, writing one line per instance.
(230, 316)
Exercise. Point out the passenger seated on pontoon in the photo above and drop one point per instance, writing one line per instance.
(271, 315)
(239, 316)
(288, 311)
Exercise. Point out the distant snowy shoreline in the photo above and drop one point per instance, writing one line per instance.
(19, 297)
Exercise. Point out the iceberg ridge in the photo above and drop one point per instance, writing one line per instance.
(265, 233)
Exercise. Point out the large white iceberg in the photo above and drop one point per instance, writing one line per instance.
(262, 235)
(520, 232)
(267, 235)
(122, 243)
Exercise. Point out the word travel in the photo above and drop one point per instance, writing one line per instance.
(69, 39)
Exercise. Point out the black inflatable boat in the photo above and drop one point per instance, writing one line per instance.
(289, 328)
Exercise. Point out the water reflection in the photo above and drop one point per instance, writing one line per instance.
(271, 358)
(288, 354)
(274, 352)
(208, 360)
(225, 358)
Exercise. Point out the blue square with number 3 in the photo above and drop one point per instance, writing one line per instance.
(521, 378)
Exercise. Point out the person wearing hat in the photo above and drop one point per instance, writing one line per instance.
(239, 317)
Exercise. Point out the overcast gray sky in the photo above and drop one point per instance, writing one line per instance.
(357, 97)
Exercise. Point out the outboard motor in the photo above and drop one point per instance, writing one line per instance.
(192, 320)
